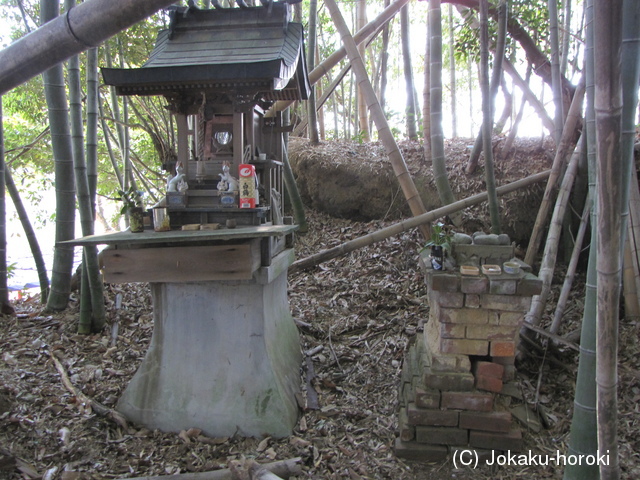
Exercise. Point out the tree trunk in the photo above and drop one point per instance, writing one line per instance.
(30, 236)
(384, 132)
(437, 137)
(65, 189)
(312, 114)
(4, 289)
(405, 35)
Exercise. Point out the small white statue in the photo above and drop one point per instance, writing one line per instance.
(227, 183)
(172, 186)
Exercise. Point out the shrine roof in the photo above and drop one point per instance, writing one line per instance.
(255, 48)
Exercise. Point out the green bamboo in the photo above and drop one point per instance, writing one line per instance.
(55, 95)
(583, 436)
(487, 113)
(93, 278)
(496, 78)
(556, 76)
(435, 96)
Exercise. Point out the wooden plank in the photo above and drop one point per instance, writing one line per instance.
(182, 264)
(149, 237)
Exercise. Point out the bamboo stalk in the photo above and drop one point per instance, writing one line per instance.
(545, 274)
(410, 223)
(377, 114)
(568, 133)
(571, 269)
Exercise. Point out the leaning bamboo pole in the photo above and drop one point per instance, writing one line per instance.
(568, 133)
(571, 269)
(332, 60)
(538, 302)
(410, 223)
(82, 27)
(633, 235)
(377, 114)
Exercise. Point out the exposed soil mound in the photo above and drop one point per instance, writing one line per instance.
(356, 181)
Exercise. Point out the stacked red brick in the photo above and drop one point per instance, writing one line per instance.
(454, 372)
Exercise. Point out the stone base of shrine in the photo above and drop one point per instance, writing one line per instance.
(224, 358)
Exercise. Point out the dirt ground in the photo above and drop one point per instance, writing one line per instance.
(356, 316)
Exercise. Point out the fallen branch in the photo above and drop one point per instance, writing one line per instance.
(552, 336)
(85, 403)
(410, 223)
(282, 469)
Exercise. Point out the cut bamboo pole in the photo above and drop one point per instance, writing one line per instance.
(571, 269)
(377, 114)
(562, 150)
(410, 223)
(545, 274)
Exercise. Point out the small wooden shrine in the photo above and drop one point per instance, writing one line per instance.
(220, 70)
(225, 353)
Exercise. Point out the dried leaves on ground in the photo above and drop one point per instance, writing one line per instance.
(356, 314)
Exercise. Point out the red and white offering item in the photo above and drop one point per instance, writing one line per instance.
(247, 174)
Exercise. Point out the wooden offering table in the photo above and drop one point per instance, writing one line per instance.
(225, 354)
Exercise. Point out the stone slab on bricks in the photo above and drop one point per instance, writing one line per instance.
(405, 431)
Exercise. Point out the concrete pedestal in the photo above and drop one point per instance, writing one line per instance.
(224, 357)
